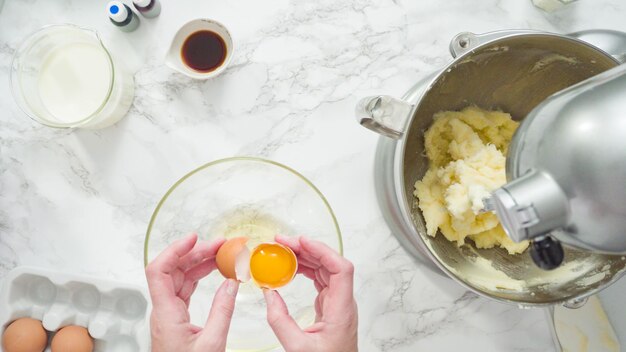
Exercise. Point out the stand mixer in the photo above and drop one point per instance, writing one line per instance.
(566, 172)
(545, 81)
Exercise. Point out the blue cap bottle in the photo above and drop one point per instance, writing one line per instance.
(122, 16)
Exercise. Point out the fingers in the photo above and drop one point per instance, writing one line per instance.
(332, 274)
(336, 266)
(316, 327)
(202, 251)
(285, 328)
(321, 298)
(167, 261)
(318, 308)
(191, 278)
(319, 287)
(310, 274)
(337, 273)
(313, 254)
(318, 252)
(201, 270)
(184, 245)
(158, 271)
(291, 242)
(187, 290)
(322, 276)
(307, 272)
(200, 261)
(195, 265)
(302, 261)
(221, 313)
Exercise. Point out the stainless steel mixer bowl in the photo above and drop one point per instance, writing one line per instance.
(511, 72)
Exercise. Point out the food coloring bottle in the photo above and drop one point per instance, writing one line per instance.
(122, 16)
(148, 8)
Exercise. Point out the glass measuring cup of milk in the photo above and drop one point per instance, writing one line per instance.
(63, 76)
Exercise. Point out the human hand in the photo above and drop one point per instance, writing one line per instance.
(172, 278)
(336, 317)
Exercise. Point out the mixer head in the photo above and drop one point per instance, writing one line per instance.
(567, 172)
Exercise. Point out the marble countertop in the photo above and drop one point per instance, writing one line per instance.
(80, 201)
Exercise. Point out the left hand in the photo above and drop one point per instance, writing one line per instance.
(172, 278)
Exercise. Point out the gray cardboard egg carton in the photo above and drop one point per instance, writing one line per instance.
(116, 315)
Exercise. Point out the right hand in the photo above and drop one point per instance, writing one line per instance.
(336, 317)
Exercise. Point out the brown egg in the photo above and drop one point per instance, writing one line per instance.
(72, 339)
(233, 259)
(24, 335)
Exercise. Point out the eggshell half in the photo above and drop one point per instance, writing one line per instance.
(242, 265)
(233, 259)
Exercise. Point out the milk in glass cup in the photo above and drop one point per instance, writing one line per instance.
(63, 76)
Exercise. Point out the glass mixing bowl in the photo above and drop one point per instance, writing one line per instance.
(250, 197)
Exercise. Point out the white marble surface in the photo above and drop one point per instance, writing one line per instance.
(79, 201)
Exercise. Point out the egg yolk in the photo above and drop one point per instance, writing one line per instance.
(272, 265)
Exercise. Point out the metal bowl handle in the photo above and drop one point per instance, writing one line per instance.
(389, 116)
(383, 114)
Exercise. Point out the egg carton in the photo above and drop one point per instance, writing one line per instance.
(115, 314)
